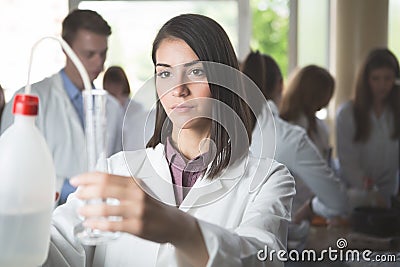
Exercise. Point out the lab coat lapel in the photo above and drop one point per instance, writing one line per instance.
(59, 89)
(206, 191)
(154, 176)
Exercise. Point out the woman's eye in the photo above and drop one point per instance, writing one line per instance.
(197, 72)
(164, 74)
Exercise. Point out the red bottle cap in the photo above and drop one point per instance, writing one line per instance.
(26, 104)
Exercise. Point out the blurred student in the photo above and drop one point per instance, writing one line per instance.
(318, 190)
(368, 127)
(61, 115)
(310, 90)
(116, 83)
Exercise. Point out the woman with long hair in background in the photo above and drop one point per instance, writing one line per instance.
(368, 127)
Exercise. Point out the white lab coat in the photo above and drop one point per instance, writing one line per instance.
(320, 138)
(239, 213)
(59, 123)
(295, 150)
(377, 158)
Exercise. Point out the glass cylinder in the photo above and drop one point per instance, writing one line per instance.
(94, 103)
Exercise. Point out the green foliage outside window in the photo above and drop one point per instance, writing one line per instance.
(270, 30)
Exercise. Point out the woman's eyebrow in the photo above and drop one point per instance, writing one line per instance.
(194, 62)
(163, 65)
(191, 63)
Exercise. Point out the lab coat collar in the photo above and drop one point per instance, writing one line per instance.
(273, 107)
(155, 178)
(153, 174)
(206, 191)
(58, 88)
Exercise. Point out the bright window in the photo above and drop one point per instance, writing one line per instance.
(22, 23)
(270, 29)
(313, 33)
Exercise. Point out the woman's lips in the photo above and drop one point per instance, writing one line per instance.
(182, 108)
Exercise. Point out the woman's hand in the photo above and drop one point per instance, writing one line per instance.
(141, 214)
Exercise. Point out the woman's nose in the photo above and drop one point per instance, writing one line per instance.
(180, 90)
(181, 86)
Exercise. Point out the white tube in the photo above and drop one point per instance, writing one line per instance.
(89, 127)
(70, 53)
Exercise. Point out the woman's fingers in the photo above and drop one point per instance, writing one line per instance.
(100, 178)
(101, 210)
(103, 185)
(97, 191)
(88, 178)
(137, 213)
(131, 226)
(104, 225)
(124, 209)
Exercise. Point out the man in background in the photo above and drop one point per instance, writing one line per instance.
(61, 116)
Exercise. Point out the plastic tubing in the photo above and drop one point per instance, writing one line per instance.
(89, 129)
(70, 53)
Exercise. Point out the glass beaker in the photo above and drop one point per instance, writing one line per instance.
(94, 104)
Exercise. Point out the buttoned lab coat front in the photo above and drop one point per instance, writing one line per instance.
(239, 213)
(294, 149)
(59, 123)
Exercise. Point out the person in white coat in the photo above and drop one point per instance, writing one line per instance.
(194, 197)
(368, 130)
(310, 89)
(318, 190)
(116, 83)
(60, 117)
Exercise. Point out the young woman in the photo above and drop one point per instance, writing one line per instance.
(368, 127)
(116, 83)
(192, 201)
(309, 90)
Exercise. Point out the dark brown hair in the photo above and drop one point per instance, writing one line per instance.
(264, 72)
(79, 19)
(116, 74)
(2, 101)
(305, 93)
(210, 43)
(363, 98)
